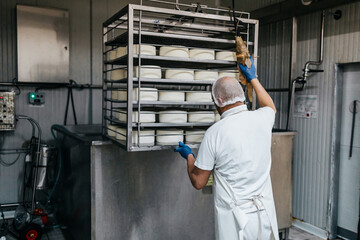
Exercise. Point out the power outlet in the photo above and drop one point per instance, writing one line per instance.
(36, 98)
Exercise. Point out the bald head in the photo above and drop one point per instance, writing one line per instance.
(226, 91)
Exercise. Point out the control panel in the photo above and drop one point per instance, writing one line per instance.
(7, 111)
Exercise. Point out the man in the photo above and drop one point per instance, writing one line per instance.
(237, 150)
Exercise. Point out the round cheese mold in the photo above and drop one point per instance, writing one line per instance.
(206, 75)
(201, 117)
(173, 117)
(148, 71)
(194, 136)
(198, 97)
(147, 137)
(169, 137)
(179, 74)
(226, 56)
(117, 74)
(174, 51)
(229, 74)
(111, 130)
(205, 54)
(172, 96)
(145, 116)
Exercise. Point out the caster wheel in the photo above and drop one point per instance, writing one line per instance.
(31, 232)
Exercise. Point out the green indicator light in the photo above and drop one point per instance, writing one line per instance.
(32, 96)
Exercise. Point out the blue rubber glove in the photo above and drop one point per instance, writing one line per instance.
(250, 73)
(184, 150)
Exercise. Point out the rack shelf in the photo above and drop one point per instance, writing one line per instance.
(138, 24)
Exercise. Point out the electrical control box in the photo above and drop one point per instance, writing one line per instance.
(36, 98)
(7, 111)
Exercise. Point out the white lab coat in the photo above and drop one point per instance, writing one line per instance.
(238, 148)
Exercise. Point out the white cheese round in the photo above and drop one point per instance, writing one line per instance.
(145, 49)
(173, 117)
(226, 56)
(111, 55)
(117, 74)
(229, 74)
(121, 51)
(148, 71)
(179, 74)
(145, 116)
(203, 116)
(172, 96)
(202, 54)
(111, 130)
(195, 136)
(169, 137)
(198, 97)
(206, 75)
(146, 94)
(114, 95)
(147, 137)
(172, 51)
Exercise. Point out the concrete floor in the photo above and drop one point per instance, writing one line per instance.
(294, 234)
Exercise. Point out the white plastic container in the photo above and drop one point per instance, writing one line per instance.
(194, 136)
(206, 75)
(169, 137)
(226, 56)
(173, 116)
(111, 130)
(179, 74)
(147, 137)
(205, 54)
(198, 97)
(117, 74)
(172, 96)
(201, 117)
(174, 51)
(145, 116)
(148, 71)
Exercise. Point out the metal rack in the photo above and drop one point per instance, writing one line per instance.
(139, 24)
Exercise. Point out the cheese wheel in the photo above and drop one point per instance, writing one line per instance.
(206, 75)
(121, 51)
(111, 55)
(172, 51)
(114, 95)
(111, 130)
(145, 49)
(117, 74)
(146, 94)
(198, 97)
(203, 116)
(172, 96)
(169, 137)
(173, 117)
(229, 74)
(226, 56)
(194, 136)
(147, 137)
(202, 54)
(148, 71)
(145, 116)
(179, 74)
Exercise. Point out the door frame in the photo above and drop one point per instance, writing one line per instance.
(335, 148)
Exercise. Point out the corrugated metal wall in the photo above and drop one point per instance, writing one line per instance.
(249, 5)
(311, 163)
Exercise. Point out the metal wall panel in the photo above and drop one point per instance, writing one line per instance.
(311, 171)
(248, 6)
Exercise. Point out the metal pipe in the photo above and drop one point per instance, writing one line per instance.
(321, 49)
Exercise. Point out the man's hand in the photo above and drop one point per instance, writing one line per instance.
(184, 150)
(250, 73)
